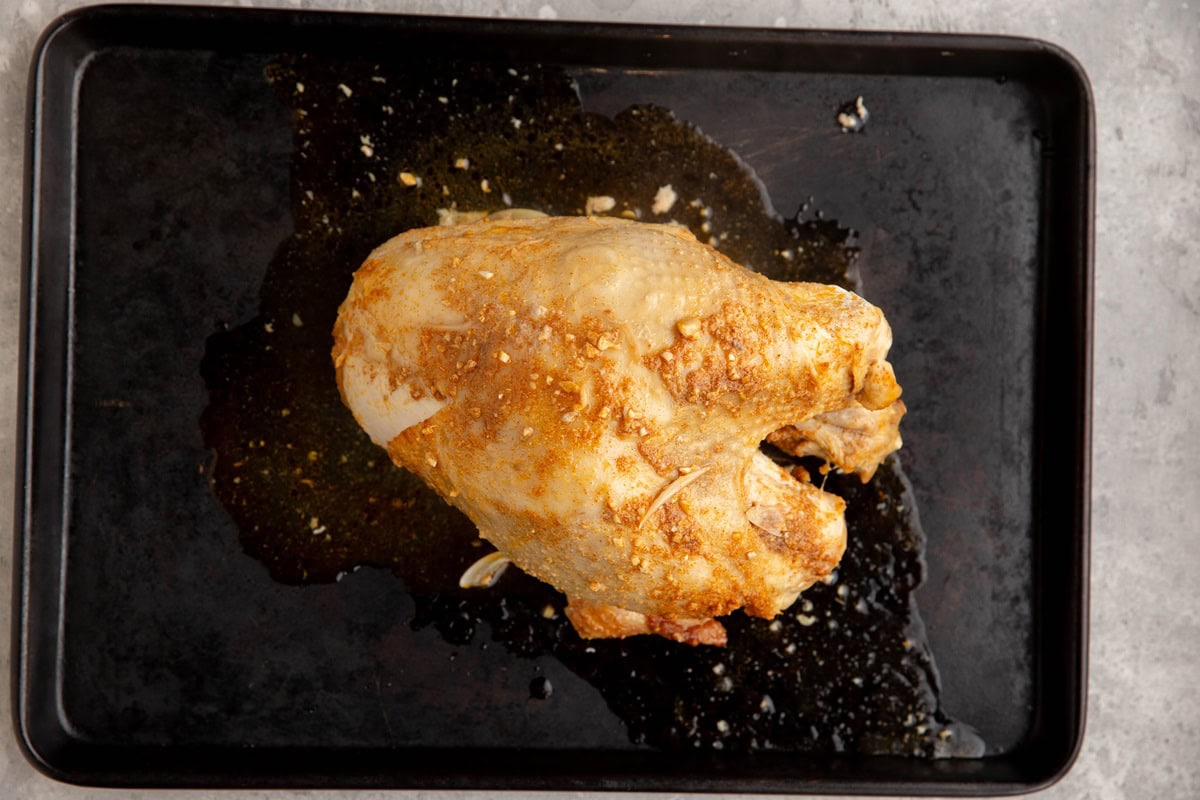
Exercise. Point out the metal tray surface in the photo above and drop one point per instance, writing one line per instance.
(150, 650)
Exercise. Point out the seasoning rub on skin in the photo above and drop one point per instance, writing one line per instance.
(592, 392)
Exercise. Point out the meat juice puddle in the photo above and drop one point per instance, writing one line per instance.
(379, 150)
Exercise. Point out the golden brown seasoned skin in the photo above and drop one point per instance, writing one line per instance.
(855, 438)
(595, 621)
(592, 392)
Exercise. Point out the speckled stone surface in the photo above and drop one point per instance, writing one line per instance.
(1143, 734)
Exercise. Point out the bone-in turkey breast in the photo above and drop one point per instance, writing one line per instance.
(592, 393)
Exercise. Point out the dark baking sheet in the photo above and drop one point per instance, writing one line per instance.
(150, 650)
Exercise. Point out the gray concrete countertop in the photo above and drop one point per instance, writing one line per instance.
(1143, 733)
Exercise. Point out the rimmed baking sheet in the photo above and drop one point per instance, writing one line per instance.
(162, 163)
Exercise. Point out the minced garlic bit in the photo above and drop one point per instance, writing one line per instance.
(487, 276)
(408, 179)
(598, 204)
(485, 186)
(345, 89)
(504, 357)
(853, 117)
(462, 163)
(664, 199)
(689, 327)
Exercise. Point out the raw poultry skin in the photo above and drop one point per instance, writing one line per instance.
(593, 392)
